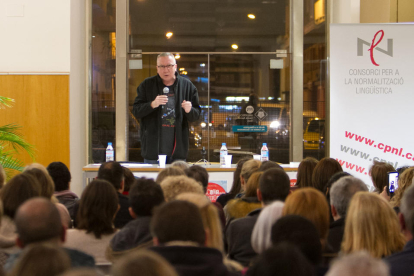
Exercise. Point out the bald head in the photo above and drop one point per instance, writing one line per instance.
(38, 220)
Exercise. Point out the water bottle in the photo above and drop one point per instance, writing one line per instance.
(223, 153)
(109, 153)
(264, 153)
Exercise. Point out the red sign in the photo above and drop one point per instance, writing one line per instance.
(214, 190)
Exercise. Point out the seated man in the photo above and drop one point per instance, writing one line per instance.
(144, 195)
(61, 177)
(38, 220)
(179, 236)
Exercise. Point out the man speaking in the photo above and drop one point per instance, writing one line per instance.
(165, 103)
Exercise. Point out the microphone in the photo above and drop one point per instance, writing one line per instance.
(166, 90)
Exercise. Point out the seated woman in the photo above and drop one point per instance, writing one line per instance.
(97, 209)
(371, 225)
(379, 175)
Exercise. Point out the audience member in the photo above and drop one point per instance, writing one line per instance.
(145, 262)
(241, 207)
(172, 186)
(379, 175)
(179, 235)
(305, 171)
(372, 225)
(274, 185)
(180, 164)
(169, 171)
(284, 259)
(144, 196)
(269, 165)
(340, 194)
(40, 260)
(198, 173)
(323, 171)
(260, 239)
(19, 189)
(114, 174)
(236, 188)
(311, 204)
(47, 188)
(129, 180)
(97, 209)
(249, 167)
(404, 181)
(359, 264)
(38, 220)
(402, 263)
(61, 177)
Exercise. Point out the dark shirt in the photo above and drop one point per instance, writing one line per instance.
(402, 263)
(336, 234)
(224, 198)
(123, 216)
(133, 234)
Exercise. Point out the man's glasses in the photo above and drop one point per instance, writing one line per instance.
(169, 66)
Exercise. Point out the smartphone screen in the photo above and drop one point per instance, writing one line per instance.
(392, 182)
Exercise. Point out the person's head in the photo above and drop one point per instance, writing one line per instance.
(311, 204)
(3, 176)
(305, 171)
(198, 173)
(236, 188)
(148, 263)
(177, 221)
(249, 167)
(260, 239)
(129, 179)
(170, 171)
(19, 189)
(97, 208)
(172, 186)
(379, 174)
(323, 171)
(406, 215)
(252, 185)
(358, 264)
(41, 259)
(144, 195)
(181, 164)
(166, 68)
(47, 187)
(284, 259)
(269, 165)
(60, 175)
(404, 181)
(274, 185)
(341, 193)
(372, 225)
(113, 173)
(332, 180)
(38, 220)
(300, 232)
(210, 218)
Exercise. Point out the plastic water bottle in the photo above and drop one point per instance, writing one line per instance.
(109, 153)
(223, 153)
(264, 153)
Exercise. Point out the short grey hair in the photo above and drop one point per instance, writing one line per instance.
(343, 190)
(407, 208)
(359, 264)
(166, 55)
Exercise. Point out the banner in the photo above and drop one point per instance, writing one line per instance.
(371, 96)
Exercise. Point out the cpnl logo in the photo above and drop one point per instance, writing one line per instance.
(373, 45)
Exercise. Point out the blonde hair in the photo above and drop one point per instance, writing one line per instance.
(172, 186)
(170, 171)
(143, 262)
(404, 181)
(311, 204)
(372, 225)
(210, 218)
(253, 184)
(249, 167)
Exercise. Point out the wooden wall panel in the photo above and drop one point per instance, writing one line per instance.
(42, 109)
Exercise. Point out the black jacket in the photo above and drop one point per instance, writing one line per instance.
(150, 119)
(402, 263)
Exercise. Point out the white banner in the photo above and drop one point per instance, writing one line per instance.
(371, 96)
